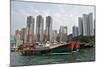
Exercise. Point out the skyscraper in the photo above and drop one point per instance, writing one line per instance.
(90, 17)
(17, 38)
(88, 24)
(80, 22)
(23, 35)
(49, 28)
(85, 25)
(54, 35)
(94, 26)
(63, 33)
(39, 28)
(75, 31)
(17, 34)
(30, 29)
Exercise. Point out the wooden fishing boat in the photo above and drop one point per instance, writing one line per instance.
(26, 49)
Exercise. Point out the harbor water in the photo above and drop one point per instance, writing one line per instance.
(84, 55)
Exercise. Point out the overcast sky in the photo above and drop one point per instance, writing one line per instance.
(62, 14)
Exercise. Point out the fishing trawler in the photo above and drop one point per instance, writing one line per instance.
(37, 49)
